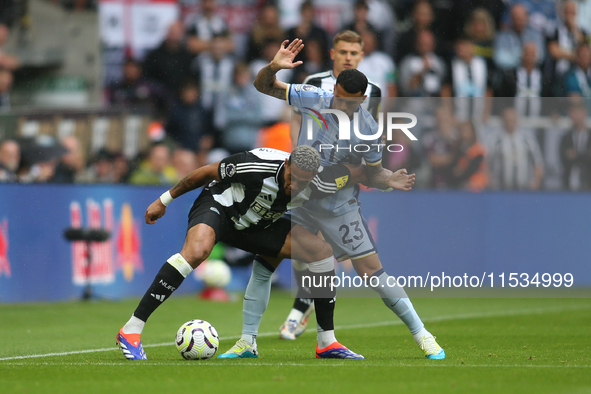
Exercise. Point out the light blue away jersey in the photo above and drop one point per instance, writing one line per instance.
(310, 100)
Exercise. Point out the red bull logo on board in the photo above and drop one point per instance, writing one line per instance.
(4, 262)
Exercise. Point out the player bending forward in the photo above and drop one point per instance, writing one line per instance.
(243, 206)
(330, 214)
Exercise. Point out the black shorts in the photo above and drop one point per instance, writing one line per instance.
(262, 241)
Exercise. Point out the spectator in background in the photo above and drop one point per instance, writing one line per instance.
(526, 83)
(515, 159)
(10, 156)
(184, 162)
(469, 170)
(467, 79)
(206, 150)
(185, 123)
(7, 61)
(135, 91)
(445, 24)
(463, 9)
(39, 159)
(101, 169)
(422, 19)
(170, 63)
(156, 169)
(121, 168)
(577, 81)
(72, 164)
(575, 151)
(509, 43)
(563, 43)
(379, 68)
(549, 138)
(480, 28)
(403, 156)
(207, 25)
(216, 67)
(266, 29)
(309, 32)
(422, 72)
(441, 146)
(6, 80)
(270, 107)
(382, 17)
(239, 115)
(315, 61)
(542, 14)
(361, 24)
(277, 135)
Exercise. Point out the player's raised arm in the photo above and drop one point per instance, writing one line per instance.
(266, 82)
(194, 180)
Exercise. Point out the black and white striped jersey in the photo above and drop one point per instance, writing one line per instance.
(251, 187)
(326, 81)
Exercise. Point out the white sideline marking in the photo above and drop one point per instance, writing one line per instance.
(333, 363)
(346, 326)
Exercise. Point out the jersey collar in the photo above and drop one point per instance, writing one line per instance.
(278, 178)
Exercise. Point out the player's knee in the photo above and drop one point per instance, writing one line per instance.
(195, 255)
(366, 266)
(322, 251)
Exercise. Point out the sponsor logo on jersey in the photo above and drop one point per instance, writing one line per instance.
(264, 212)
(341, 182)
(223, 170)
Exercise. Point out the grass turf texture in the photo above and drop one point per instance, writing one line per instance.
(492, 345)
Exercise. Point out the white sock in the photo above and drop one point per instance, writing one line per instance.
(295, 315)
(134, 326)
(252, 339)
(256, 297)
(422, 333)
(325, 338)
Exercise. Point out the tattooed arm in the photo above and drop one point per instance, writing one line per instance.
(266, 82)
(194, 180)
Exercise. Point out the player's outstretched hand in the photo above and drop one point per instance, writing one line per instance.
(155, 211)
(401, 180)
(284, 57)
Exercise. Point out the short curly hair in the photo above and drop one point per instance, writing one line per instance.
(305, 158)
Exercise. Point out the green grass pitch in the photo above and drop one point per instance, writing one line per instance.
(492, 345)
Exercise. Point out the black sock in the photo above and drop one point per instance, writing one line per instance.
(325, 305)
(302, 304)
(166, 281)
(303, 299)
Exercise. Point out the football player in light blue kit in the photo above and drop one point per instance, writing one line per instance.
(339, 217)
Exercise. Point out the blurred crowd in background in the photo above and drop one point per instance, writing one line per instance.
(197, 84)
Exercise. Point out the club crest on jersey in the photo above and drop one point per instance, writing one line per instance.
(230, 169)
(308, 88)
